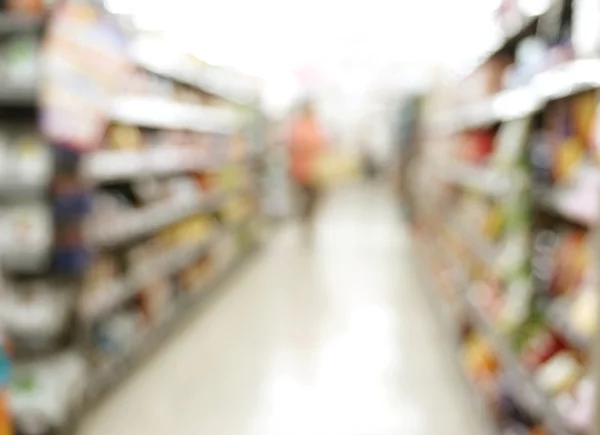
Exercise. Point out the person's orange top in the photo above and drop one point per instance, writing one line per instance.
(307, 142)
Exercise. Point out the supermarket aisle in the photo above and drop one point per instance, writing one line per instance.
(336, 339)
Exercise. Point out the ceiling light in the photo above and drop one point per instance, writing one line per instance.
(534, 8)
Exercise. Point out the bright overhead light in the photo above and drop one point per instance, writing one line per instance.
(122, 7)
(534, 8)
(148, 22)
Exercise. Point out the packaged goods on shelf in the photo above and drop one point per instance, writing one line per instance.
(27, 159)
(27, 236)
(522, 236)
(42, 393)
(576, 406)
(37, 315)
(116, 336)
(112, 226)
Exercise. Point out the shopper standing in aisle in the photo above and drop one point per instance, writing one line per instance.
(307, 143)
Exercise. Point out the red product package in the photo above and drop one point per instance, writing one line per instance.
(542, 345)
(479, 146)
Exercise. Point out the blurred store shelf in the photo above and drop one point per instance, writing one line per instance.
(505, 106)
(567, 79)
(147, 191)
(562, 81)
(478, 178)
(114, 373)
(23, 188)
(212, 80)
(449, 315)
(560, 323)
(527, 393)
(18, 95)
(13, 22)
(567, 205)
(132, 225)
(101, 303)
(540, 184)
(153, 112)
(114, 165)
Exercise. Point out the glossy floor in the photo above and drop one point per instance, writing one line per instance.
(336, 337)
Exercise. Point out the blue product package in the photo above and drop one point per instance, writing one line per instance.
(5, 368)
(72, 261)
(73, 204)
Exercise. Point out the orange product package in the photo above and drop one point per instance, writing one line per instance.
(569, 156)
(26, 6)
(573, 259)
(6, 427)
(584, 111)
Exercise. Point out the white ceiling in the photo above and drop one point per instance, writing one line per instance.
(351, 44)
(266, 34)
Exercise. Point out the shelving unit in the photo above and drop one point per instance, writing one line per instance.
(141, 199)
(448, 314)
(508, 193)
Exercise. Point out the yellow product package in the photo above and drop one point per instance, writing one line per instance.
(334, 167)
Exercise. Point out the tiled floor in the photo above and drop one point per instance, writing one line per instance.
(337, 338)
